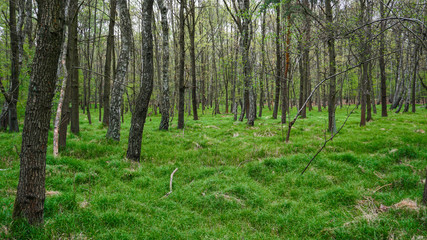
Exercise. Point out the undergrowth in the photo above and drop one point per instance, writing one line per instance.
(233, 181)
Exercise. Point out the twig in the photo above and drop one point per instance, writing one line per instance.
(291, 123)
(379, 188)
(326, 141)
(170, 183)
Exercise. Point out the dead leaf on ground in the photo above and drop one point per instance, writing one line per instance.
(393, 150)
(407, 204)
(84, 204)
(420, 131)
(52, 193)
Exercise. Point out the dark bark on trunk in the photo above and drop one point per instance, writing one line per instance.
(143, 99)
(382, 65)
(30, 196)
(107, 67)
(278, 64)
(14, 78)
(181, 87)
(164, 123)
(286, 73)
(73, 71)
(332, 69)
(191, 32)
(319, 93)
(120, 76)
(414, 78)
(262, 79)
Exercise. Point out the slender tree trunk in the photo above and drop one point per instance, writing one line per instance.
(191, 32)
(164, 124)
(62, 112)
(278, 64)
(261, 95)
(14, 78)
(73, 71)
(319, 93)
(332, 69)
(122, 65)
(285, 78)
(143, 99)
(30, 196)
(382, 65)
(107, 67)
(414, 78)
(181, 86)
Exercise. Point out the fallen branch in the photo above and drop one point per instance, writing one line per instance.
(326, 141)
(379, 188)
(170, 183)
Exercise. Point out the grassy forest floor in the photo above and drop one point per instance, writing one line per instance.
(233, 181)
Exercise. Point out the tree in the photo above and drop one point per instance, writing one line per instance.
(30, 196)
(122, 66)
(74, 71)
(143, 99)
(243, 19)
(278, 63)
(107, 67)
(164, 124)
(10, 114)
(181, 86)
(332, 68)
(191, 33)
(382, 65)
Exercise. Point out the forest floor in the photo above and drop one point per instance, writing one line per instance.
(233, 181)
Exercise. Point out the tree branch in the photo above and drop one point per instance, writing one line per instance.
(328, 140)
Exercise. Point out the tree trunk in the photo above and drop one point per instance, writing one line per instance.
(122, 65)
(191, 32)
(164, 124)
(382, 65)
(14, 78)
(143, 99)
(261, 95)
(73, 71)
(278, 64)
(107, 67)
(332, 69)
(61, 117)
(181, 86)
(30, 196)
(285, 78)
(414, 78)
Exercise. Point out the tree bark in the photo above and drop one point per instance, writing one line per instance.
(332, 69)
(261, 95)
(107, 67)
(164, 124)
(122, 66)
(30, 196)
(278, 64)
(14, 78)
(73, 71)
(285, 77)
(143, 99)
(191, 32)
(382, 65)
(181, 87)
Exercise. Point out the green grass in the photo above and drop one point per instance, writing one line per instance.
(233, 181)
